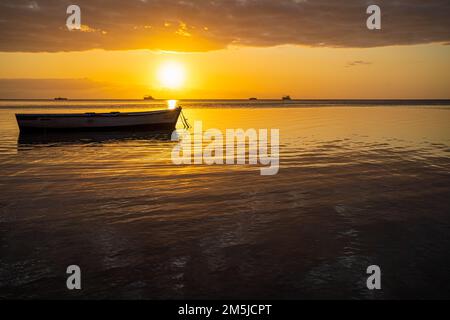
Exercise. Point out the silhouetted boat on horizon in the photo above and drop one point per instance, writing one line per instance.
(287, 98)
(149, 98)
(60, 99)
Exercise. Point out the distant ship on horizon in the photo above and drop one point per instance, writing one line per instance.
(149, 98)
(60, 99)
(287, 98)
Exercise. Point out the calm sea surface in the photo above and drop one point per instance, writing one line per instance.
(358, 185)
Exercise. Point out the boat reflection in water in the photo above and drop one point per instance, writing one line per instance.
(85, 137)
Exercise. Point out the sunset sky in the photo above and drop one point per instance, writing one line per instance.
(225, 49)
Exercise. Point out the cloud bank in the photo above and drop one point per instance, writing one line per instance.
(70, 88)
(202, 25)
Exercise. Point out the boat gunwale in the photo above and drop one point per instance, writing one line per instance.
(31, 116)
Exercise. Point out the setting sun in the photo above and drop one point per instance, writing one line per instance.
(171, 75)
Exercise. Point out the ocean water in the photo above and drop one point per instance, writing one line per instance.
(359, 184)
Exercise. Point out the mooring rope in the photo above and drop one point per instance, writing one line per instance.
(185, 121)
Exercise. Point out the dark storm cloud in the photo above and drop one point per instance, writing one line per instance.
(205, 25)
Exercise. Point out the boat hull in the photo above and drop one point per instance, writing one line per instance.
(135, 121)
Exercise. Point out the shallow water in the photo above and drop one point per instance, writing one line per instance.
(358, 185)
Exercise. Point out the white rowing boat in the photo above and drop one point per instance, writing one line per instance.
(146, 121)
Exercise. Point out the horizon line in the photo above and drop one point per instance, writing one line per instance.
(227, 99)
